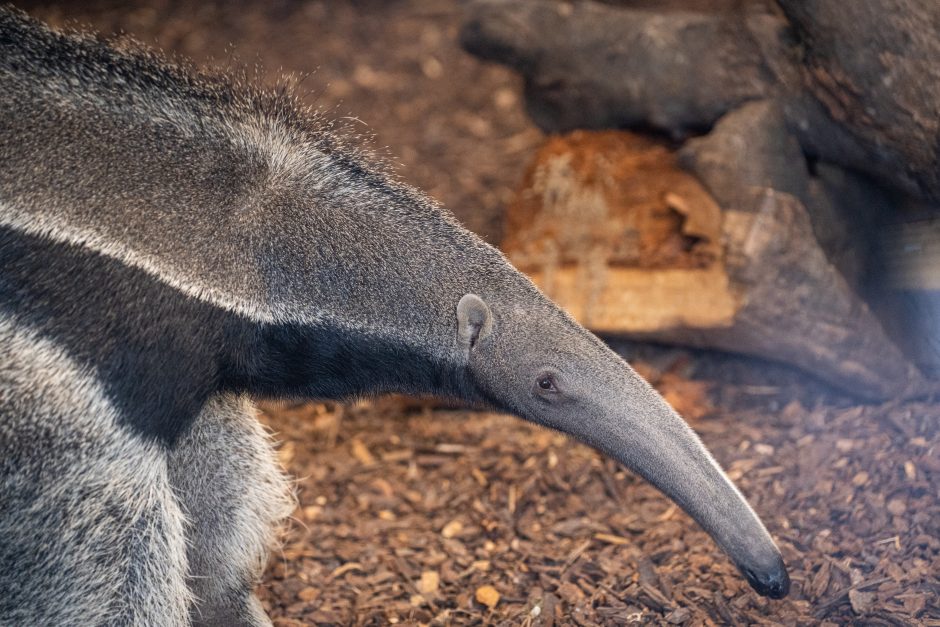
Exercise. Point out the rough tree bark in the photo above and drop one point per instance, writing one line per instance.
(872, 72)
(858, 82)
(806, 120)
(609, 226)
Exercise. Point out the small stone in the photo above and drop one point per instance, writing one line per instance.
(452, 528)
(764, 449)
(429, 582)
(505, 98)
(488, 596)
(432, 68)
(861, 601)
(844, 445)
(897, 507)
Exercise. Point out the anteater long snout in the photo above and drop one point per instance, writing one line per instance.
(642, 432)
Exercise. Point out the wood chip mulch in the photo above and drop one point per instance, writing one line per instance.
(418, 515)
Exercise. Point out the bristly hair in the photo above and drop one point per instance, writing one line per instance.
(120, 65)
(183, 231)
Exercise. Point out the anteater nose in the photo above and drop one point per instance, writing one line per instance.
(773, 582)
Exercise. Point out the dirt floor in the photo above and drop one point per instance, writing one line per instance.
(416, 514)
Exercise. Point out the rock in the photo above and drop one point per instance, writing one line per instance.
(609, 226)
(488, 596)
(452, 529)
(429, 582)
(862, 602)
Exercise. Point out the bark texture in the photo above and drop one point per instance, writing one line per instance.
(858, 83)
(610, 226)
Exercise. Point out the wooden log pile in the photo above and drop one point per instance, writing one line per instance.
(789, 133)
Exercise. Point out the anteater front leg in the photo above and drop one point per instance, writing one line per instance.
(90, 531)
(234, 495)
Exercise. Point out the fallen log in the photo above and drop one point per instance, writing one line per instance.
(858, 82)
(610, 226)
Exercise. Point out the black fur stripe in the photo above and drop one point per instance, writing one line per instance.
(153, 348)
(161, 353)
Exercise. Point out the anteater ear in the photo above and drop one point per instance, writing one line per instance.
(474, 320)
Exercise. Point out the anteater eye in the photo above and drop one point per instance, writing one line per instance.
(547, 383)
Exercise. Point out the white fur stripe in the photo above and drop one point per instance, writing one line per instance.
(56, 230)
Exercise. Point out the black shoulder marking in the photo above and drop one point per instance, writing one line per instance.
(154, 349)
(161, 354)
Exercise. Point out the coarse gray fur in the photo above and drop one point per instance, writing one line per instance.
(198, 202)
(88, 516)
(233, 496)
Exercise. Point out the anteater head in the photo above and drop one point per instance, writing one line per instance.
(526, 356)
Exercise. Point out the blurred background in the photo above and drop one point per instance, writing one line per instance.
(741, 196)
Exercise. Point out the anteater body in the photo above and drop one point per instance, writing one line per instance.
(173, 243)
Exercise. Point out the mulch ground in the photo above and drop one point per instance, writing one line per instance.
(416, 514)
(419, 515)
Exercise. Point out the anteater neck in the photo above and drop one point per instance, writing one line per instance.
(329, 361)
(161, 353)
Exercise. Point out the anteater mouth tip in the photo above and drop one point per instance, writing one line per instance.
(774, 583)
